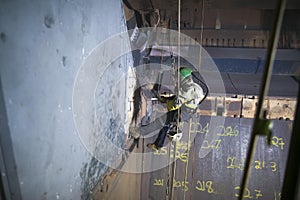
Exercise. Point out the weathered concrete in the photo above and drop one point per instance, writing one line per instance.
(43, 44)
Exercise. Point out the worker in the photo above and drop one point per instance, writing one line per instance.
(179, 108)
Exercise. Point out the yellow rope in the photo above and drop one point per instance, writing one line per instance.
(169, 172)
(178, 60)
(178, 88)
(193, 163)
(201, 36)
(188, 155)
(199, 67)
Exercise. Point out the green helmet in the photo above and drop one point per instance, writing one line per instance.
(185, 72)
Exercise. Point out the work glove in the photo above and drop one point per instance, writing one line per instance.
(177, 102)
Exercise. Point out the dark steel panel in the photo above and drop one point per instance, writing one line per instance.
(291, 179)
(218, 175)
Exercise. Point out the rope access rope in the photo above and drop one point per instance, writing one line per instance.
(199, 67)
(188, 153)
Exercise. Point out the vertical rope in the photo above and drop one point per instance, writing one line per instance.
(178, 50)
(178, 88)
(199, 67)
(173, 169)
(169, 172)
(169, 184)
(178, 59)
(201, 35)
(188, 153)
(193, 163)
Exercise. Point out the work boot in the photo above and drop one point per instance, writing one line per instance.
(153, 146)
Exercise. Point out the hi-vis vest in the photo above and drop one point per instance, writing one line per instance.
(190, 95)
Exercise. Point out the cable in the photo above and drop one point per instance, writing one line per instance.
(168, 188)
(178, 87)
(206, 88)
(203, 84)
(188, 155)
(200, 52)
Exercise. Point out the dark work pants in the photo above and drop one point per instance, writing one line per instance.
(171, 117)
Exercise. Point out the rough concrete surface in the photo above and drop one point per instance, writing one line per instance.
(42, 45)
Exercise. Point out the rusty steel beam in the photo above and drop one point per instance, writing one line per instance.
(244, 107)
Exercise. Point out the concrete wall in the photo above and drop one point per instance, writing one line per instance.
(42, 45)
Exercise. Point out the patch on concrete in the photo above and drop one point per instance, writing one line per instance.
(3, 37)
(49, 21)
(63, 60)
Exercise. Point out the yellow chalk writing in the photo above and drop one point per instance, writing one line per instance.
(181, 184)
(235, 163)
(196, 127)
(205, 186)
(227, 131)
(182, 156)
(205, 129)
(158, 182)
(277, 196)
(247, 193)
(161, 151)
(259, 164)
(214, 144)
(273, 166)
(180, 145)
(258, 193)
(277, 142)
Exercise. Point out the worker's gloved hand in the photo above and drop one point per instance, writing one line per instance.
(177, 102)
